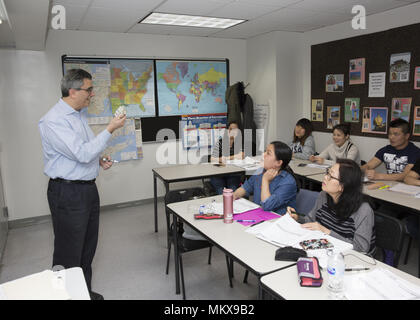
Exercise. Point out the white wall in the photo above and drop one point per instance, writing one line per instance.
(274, 74)
(374, 23)
(29, 87)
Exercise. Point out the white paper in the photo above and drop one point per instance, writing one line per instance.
(379, 284)
(377, 84)
(239, 206)
(407, 189)
(44, 285)
(316, 165)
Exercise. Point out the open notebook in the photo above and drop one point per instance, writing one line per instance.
(285, 231)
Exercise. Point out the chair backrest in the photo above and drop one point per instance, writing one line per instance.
(389, 234)
(183, 195)
(305, 200)
(178, 196)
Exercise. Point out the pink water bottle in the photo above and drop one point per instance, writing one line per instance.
(227, 205)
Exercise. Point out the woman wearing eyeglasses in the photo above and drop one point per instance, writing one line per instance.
(341, 209)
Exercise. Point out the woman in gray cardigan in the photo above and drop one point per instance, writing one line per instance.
(341, 210)
(341, 148)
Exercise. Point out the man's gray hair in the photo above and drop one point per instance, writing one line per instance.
(73, 79)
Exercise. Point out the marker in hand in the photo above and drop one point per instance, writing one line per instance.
(109, 160)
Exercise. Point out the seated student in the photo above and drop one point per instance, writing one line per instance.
(303, 144)
(399, 156)
(222, 153)
(341, 148)
(341, 210)
(275, 187)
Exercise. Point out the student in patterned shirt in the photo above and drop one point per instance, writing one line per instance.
(341, 209)
(303, 144)
(399, 156)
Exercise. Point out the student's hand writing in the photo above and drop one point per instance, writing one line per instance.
(315, 226)
(312, 158)
(290, 211)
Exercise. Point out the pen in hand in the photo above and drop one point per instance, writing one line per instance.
(246, 220)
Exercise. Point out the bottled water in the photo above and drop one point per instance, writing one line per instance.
(335, 268)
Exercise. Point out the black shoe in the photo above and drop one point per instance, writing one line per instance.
(95, 296)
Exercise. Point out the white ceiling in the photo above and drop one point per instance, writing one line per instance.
(122, 16)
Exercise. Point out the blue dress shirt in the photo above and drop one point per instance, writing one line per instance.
(71, 150)
(282, 189)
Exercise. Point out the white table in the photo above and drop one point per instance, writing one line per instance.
(186, 172)
(254, 254)
(284, 284)
(26, 287)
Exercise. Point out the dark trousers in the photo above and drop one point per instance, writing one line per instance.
(230, 182)
(75, 217)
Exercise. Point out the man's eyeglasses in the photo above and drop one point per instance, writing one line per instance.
(88, 90)
(329, 176)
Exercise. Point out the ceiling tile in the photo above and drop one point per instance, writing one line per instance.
(110, 20)
(238, 10)
(140, 5)
(271, 3)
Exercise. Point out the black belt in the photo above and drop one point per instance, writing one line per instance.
(74, 181)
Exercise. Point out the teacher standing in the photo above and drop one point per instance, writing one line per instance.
(72, 161)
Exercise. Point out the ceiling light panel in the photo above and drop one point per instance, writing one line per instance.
(190, 21)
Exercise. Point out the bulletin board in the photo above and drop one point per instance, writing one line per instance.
(333, 58)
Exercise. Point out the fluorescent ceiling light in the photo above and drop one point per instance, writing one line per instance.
(189, 21)
(3, 13)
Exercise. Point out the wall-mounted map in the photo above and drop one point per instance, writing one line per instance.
(191, 87)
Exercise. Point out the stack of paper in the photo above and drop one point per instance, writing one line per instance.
(316, 165)
(287, 232)
(379, 284)
(239, 206)
(406, 189)
(45, 285)
(248, 163)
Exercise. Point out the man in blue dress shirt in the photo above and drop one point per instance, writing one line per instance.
(72, 160)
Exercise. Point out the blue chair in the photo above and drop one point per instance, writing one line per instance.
(305, 200)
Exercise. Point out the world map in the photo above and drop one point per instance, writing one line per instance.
(191, 87)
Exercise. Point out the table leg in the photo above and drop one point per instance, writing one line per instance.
(176, 252)
(155, 201)
(418, 239)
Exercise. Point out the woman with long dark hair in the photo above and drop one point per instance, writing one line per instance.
(275, 187)
(303, 144)
(341, 209)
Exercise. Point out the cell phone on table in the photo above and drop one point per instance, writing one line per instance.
(301, 164)
(314, 244)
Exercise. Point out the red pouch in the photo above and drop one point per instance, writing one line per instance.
(309, 272)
